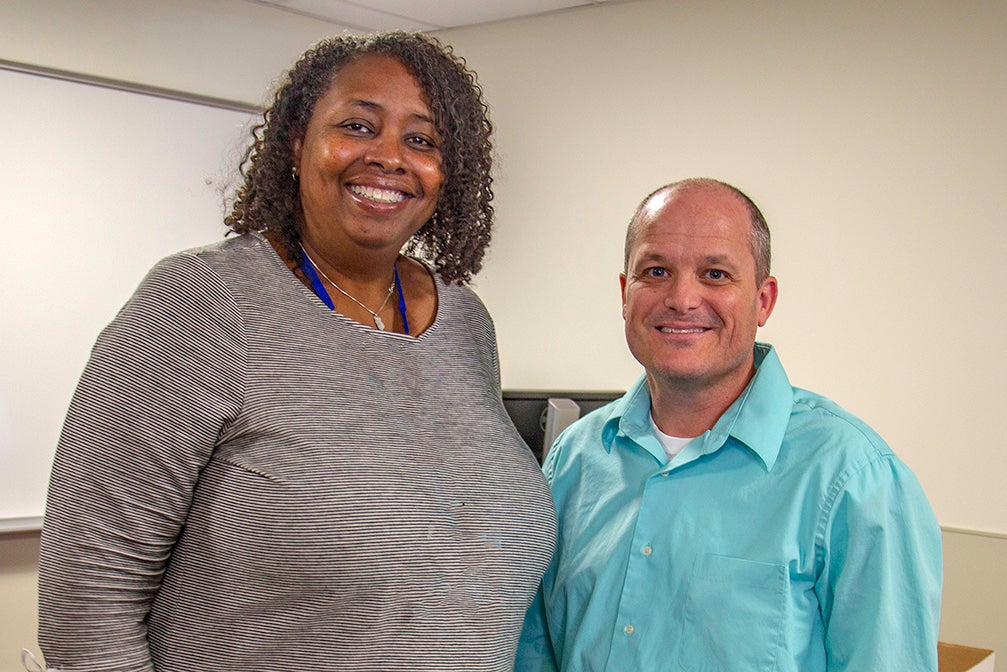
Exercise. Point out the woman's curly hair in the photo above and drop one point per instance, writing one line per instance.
(457, 234)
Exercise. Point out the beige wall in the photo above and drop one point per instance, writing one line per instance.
(18, 599)
(221, 48)
(872, 134)
(974, 609)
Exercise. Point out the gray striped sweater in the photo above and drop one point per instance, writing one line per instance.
(248, 481)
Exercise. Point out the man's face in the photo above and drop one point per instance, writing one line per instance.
(689, 295)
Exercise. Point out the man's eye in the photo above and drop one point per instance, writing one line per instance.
(655, 272)
(716, 274)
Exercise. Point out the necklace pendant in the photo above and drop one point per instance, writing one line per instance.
(379, 323)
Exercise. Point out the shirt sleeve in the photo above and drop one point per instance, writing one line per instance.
(534, 650)
(880, 589)
(162, 381)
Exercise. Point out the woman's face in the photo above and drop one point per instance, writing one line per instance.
(370, 160)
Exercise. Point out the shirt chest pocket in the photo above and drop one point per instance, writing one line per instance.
(733, 616)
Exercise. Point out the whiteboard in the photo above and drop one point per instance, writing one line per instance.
(96, 186)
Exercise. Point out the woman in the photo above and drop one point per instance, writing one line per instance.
(288, 450)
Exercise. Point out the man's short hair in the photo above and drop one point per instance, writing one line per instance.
(758, 236)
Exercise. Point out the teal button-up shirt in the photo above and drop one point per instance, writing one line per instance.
(788, 538)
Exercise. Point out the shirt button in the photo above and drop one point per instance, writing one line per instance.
(629, 629)
(646, 550)
(665, 474)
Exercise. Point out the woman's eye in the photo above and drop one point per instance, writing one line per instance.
(421, 142)
(356, 127)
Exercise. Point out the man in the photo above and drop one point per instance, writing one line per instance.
(716, 519)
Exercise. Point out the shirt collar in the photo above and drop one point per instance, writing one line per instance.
(758, 417)
(631, 417)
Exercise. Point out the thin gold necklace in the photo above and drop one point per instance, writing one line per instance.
(378, 322)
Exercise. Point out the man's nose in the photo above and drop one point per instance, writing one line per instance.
(683, 293)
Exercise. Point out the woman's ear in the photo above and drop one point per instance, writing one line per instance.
(296, 147)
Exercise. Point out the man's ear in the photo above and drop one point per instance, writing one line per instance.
(767, 299)
(622, 290)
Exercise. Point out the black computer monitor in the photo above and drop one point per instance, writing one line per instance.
(529, 409)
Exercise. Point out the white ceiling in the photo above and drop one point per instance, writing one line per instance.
(420, 15)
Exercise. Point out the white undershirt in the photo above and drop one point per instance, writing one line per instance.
(672, 445)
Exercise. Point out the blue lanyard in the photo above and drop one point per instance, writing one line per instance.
(319, 289)
(316, 282)
(402, 300)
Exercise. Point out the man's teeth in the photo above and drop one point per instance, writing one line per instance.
(379, 195)
(694, 330)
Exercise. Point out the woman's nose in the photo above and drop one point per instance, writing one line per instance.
(385, 151)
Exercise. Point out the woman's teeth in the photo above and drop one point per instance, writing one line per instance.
(379, 195)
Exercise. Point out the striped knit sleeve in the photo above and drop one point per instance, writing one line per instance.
(162, 381)
(489, 342)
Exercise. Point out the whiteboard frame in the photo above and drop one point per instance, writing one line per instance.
(128, 87)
